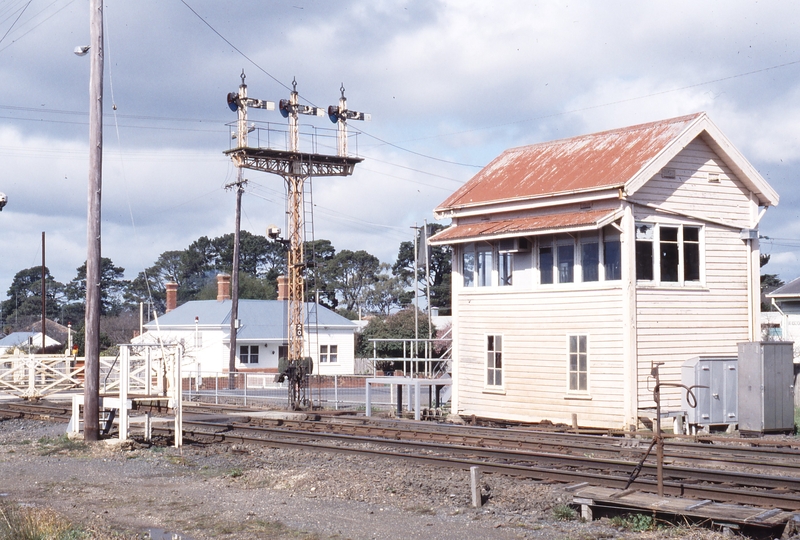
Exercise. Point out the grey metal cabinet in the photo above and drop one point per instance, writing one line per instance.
(766, 386)
(717, 400)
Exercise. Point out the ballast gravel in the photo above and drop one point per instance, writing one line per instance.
(248, 492)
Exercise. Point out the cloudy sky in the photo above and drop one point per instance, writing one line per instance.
(449, 84)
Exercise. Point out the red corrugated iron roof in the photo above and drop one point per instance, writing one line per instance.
(522, 226)
(601, 160)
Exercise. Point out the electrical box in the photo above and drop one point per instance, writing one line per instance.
(717, 402)
(766, 387)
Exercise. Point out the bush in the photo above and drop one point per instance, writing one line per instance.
(634, 522)
(34, 524)
(564, 512)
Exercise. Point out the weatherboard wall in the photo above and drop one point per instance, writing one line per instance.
(534, 326)
(676, 323)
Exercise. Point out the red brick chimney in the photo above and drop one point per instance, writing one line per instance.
(223, 287)
(283, 288)
(172, 296)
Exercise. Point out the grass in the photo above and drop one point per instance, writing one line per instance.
(17, 523)
(63, 444)
(266, 529)
(564, 512)
(634, 522)
(797, 420)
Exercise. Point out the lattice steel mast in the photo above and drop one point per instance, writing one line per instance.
(295, 167)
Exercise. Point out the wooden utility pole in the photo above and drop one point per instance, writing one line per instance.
(44, 301)
(91, 394)
(239, 184)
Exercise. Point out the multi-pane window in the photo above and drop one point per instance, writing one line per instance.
(491, 264)
(644, 251)
(691, 253)
(198, 339)
(485, 255)
(248, 354)
(566, 262)
(505, 268)
(590, 260)
(468, 267)
(586, 257)
(667, 253)
(328, 353)
(578, 364)
(494, 360)
(546, 264)
(612, 257)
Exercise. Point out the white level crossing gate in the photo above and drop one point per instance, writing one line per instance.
(36, 376)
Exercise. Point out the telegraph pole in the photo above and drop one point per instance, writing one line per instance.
(239, 185)
(91, 395)
(44, 296)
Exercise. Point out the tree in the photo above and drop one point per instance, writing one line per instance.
(113, 287)
(150, 285)
(386, 293)
(319, 255)
(24, 303)
(396, 326)
(440, 270)
(769, 282)
(352, 273)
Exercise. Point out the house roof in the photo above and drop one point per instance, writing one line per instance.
(790, 290)
(260, 319)
(21, 338)
(618, 159)
(546, 224)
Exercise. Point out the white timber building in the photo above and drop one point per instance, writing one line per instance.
(581, 264)
(786, 301)
(203, 328)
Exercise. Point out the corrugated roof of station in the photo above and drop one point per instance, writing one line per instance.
(588, 162)
(513, 227)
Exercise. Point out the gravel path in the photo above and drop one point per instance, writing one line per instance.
(244, 492)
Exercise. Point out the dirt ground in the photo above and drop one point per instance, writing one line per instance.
(218, 491)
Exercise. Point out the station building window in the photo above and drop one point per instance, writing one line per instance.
(494, 360)
(580, 257)
(578, 363)
(667, 253)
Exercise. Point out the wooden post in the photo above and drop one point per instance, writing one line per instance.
(235, 283)
(91, 429)
(475, 486)
(44, 301)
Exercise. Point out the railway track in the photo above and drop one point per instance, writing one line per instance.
(765, 476)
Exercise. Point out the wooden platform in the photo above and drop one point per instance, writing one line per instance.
(719, 513)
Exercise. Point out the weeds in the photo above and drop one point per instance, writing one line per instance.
(63, 444)
(634, 522)
(33, 524)
(564, 512)
(236, 472)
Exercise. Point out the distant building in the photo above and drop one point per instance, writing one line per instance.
(203, 327)
(22, 340)
(581, 264)
(785, 324)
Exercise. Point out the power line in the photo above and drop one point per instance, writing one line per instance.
(12, 27)
(235, 48)
(39, 24)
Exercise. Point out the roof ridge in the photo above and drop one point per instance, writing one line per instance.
(638, 127)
